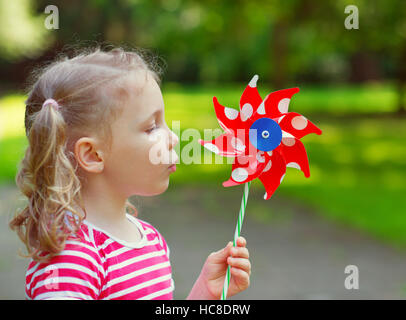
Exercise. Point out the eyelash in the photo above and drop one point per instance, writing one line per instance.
(153, 128)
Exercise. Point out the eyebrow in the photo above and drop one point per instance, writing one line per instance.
(152, 115)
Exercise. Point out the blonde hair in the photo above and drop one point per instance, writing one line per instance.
(88, 89)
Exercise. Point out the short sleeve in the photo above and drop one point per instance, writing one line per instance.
(163, 242)
(75, 273)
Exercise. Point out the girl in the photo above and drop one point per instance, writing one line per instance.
(91, 122)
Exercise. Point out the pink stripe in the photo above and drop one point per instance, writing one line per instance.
(137, 266)
(145, 291)
(65, 286)
(138, 279)
(167, 296)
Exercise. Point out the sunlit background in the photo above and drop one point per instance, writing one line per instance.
(352, 85)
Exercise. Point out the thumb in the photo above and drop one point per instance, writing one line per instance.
(222, 254)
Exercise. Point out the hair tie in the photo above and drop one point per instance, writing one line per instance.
(51, 102)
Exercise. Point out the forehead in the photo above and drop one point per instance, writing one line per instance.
(144, 98)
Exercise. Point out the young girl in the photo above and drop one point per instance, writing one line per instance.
(91, 122)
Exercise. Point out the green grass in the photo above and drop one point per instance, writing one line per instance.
(358, 167)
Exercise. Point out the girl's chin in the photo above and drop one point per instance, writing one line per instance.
(157, 190)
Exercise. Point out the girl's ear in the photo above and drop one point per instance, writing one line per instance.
(88, 156)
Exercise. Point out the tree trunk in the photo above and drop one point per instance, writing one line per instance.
(278, 50)
(401, 108)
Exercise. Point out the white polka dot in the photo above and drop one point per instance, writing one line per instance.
(239, 175)
(211, 147)
(231, 113)
(237, 144)
(282, 178)
(299, 122)
(246, 111)
(293, 165)
(261, 108)
(260, 157)
(254, 165)
(283, 105)
(268, 166)
(253, 82)
(288, 141)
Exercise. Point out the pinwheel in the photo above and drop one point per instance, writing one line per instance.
(264, 139)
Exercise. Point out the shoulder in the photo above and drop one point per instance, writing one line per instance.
(75, 272)
(153, 234)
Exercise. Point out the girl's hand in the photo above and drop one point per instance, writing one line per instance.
(211, 279)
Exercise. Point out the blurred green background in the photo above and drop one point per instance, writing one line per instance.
(352, 85)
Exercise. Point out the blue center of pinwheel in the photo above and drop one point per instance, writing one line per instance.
(265, 134)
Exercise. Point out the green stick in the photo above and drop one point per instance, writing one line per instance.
(236, 235)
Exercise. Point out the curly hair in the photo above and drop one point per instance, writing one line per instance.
(88, 89)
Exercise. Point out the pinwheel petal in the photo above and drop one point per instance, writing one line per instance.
(294, 153)
(297, 125)
(246, 168)
(228, 118)
(226, 145)
(275, 104)
(273, 173)
(250, 99)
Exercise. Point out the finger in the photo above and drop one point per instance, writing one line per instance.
(240, 252)
(240, 263)
(241, 242)
(241, 276)
(221, 255)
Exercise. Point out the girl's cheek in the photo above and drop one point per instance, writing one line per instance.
(158, 152)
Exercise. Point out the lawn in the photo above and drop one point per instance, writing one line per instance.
(358, 167)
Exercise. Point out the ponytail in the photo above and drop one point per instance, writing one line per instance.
(48, 179)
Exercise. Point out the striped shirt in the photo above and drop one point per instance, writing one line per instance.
(99, 266)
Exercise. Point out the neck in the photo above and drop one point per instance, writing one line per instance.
(104, 207)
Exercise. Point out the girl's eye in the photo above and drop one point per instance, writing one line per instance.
(152, 128)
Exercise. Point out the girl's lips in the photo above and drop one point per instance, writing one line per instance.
(172, 168)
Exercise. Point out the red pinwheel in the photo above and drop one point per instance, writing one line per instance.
(263, 137)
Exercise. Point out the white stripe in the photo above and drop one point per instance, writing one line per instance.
(32, 269)
(111, 254)
(71, 266)
(109, 240)
(82, 255)
(82, 244)
(117, 252)
(137, 273)
(138, 287)
(71, 280)
(91, 235)
(136, 259)
(105, 244)
(157, 294)
(149, 230)
(62, 295)
(61, 298)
